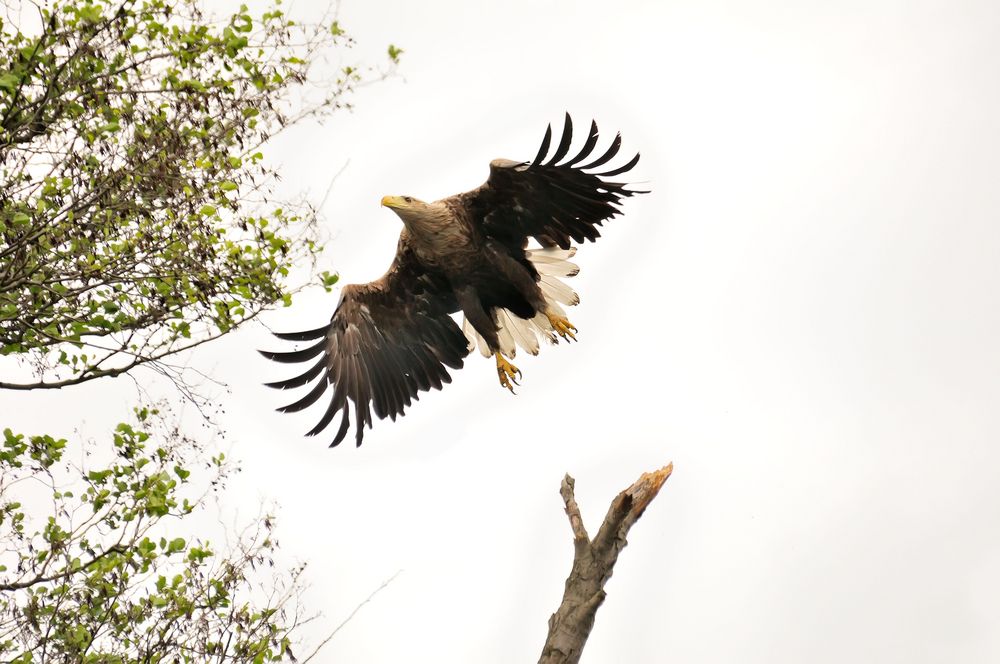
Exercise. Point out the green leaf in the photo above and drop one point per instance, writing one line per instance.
(9, 82)
(98, 476)
(90, 13)
(192, 85)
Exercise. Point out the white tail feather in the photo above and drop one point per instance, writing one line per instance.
(484, 348)
(543, 328)
(554, 289)
(550, 254)
(475, 339)
(504, 336)
(560, 269)
(520, 329)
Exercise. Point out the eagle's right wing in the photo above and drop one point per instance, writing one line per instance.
(387, 341)
(552, 199)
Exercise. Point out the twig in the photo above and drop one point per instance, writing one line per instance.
(329, 187)
(348, 618)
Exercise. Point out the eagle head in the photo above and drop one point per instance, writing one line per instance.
(409, 209)
(401, 203)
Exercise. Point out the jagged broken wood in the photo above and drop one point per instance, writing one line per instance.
(593, 562)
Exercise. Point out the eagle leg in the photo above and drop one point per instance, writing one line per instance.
(562, 326)
(507, 372)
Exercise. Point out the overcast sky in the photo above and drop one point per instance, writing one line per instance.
(802, 316)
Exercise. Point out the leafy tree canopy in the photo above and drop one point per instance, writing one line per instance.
(132, 179)
(104, 573)
(136, 221)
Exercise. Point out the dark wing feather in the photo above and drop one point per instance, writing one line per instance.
(551, 202)
(563, 148)
(387, 341)
(544, 149)
(303, 336)
(587, 148)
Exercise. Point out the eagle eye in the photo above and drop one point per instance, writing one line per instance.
(407, 199)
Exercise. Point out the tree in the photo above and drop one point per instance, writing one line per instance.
(102, 575)
(133, 224)
(136, 222)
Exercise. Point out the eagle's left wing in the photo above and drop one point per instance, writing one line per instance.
(388, 340)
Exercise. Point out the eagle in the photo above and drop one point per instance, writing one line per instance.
(392, 338)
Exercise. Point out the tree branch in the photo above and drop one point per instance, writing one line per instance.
(593, 562)
(67, 572)
(348, 618)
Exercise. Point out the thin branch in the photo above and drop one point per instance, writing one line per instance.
(333, 181)
(581, 539)
(66, 573)
(348, 618)
(83, 377)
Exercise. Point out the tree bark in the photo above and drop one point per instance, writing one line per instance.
(593, 562)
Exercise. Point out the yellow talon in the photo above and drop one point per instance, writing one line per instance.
(562, 326)
(507, 372)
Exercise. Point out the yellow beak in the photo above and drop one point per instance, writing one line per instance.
(392, 201)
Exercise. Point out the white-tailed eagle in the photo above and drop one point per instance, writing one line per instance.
(392, 338)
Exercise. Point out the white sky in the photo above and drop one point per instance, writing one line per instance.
(802, 316)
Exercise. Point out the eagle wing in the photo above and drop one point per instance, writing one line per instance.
(550, 201)
(388, 340)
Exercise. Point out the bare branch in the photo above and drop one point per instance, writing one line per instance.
(593, 563)
(348, 618)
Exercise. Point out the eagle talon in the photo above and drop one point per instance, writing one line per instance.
(507, 373)
(562, 326)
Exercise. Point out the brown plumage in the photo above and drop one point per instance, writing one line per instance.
(393, 338)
